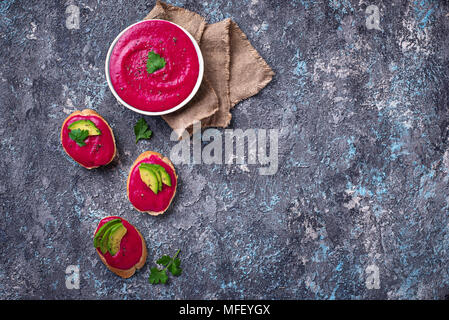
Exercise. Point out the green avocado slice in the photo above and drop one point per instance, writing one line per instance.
(150, 178)
(105, 240)
(156, 171)
(159, 179)
(85, 125)
(115, 237)
(99, 235)
(165, 177)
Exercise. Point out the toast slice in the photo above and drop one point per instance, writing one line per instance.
(166, 160)
(127, 273)
(87, 112)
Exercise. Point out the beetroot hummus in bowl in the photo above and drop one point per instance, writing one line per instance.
(154, 67)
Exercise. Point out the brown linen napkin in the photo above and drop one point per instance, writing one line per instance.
(249, 71)
(233, 69)
(215, 47)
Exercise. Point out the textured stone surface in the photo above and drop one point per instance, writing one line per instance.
(363, 176)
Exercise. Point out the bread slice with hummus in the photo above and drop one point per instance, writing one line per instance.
(88, 139)
(120, 246)
(152, 183)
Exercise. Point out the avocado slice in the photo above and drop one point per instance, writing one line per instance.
(115, 237)
(105, 239)
(156, 171)
(150, 178)
(159, 179)
(99, 235)
(165, 177)
(85, 125)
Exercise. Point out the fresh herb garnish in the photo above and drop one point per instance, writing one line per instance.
(154, 62)
(141, 130)
(171, 264)
(79, 136)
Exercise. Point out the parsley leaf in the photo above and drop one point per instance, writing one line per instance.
(154, 62)
(171, 264)
(174, 267)
(79, 136)
(158, 276)
(141, 130)
(164, 260)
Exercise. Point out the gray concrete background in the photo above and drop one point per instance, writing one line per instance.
(357, 210)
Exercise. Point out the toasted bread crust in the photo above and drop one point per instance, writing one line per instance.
(88, 112)
(127, 273)
(142, 156)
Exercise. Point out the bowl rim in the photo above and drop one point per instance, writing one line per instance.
(178, 106)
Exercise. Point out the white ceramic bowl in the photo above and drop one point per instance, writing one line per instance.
(177, 107)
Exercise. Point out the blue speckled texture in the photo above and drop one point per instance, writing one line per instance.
(363, 172)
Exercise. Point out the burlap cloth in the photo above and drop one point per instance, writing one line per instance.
(233, 69)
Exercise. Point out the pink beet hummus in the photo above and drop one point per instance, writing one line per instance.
(164, 88)
(141, 195)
